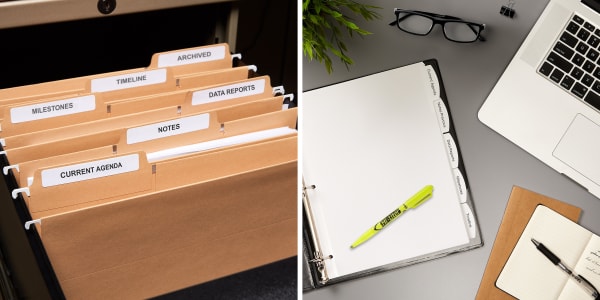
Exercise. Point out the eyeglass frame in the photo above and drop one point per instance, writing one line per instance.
(438, 19)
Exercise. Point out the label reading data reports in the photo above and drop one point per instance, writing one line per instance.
(227, 92)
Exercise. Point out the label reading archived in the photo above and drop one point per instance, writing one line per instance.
(168, 128)
(228, 92)
(52, 109)
(125, 81)
(90, 170)
(191, 56)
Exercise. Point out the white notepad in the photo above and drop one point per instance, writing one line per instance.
(528, 274)
(368, 145)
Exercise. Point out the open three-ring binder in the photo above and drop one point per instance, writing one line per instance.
(368, 145)
(136, 183)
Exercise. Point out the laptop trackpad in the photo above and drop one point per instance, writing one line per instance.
(580, 148)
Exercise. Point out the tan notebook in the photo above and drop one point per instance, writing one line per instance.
(520, 208)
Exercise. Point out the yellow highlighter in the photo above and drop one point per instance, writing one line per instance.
(414, 201)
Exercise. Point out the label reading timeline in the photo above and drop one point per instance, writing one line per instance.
(131, 80)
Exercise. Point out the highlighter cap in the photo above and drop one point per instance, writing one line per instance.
(420, 197)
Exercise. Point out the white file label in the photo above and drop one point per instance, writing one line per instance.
(125, 81)
(167, 128)
(191, 56)
(90, 170)
(238, 90)
(52, 109)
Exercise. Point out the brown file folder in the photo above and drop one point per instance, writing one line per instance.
(164, 188)
(192, 61)
(520, 207)
(22, 117)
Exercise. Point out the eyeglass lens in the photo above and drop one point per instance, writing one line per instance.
(421, 25)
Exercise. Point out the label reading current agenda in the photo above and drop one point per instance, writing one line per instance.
(193, 56)
(228, 92)
(125, 81)
(167, 128)
(90, 170)
(433, 82)
(52, 109)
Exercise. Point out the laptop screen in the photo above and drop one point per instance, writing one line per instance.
(593, 4)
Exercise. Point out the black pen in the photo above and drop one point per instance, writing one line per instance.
(556, 261)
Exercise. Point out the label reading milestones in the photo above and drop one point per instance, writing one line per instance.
(52, 109)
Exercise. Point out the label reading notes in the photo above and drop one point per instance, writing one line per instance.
(185, 57)
(227, 92)
(52, 109)
(168, 128)
(125, 81)
(90, 170)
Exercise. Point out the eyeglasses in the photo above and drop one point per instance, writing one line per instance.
(421, 23)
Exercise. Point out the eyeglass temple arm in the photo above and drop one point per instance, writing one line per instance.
(479, 36)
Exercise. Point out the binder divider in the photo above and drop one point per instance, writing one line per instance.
(316, 257)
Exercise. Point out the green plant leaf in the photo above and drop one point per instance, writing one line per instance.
(324, 23)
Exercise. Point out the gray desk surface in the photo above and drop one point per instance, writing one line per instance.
(494, 165)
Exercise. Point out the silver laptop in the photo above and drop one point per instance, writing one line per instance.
(548, 99)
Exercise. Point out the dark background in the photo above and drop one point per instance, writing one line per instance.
(266, 37)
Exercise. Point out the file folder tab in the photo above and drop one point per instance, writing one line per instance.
(52, 109)
(130, 80)
(90, 170)
(167, 128)
(242, 89)
(191, 56)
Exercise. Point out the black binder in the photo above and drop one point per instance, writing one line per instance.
(350, 180)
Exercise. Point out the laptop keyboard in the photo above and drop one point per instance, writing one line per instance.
(573, 63)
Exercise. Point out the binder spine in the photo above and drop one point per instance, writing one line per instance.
(316, 257)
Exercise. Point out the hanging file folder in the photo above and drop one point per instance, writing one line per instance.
(368, 145)
(182, 62)
(45, 113)
(144, 189)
